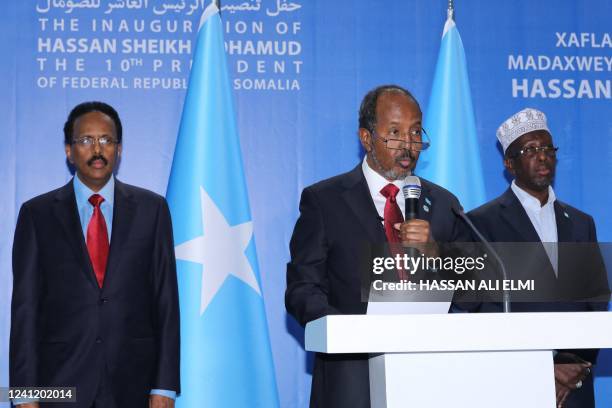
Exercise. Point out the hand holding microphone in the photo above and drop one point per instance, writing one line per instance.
(413, 231)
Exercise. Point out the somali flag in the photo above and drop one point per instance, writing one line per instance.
(453, 160)
(226, 360)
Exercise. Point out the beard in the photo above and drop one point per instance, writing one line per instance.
(542, 183)
(391, 174)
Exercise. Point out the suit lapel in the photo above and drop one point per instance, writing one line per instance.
(67, 214)
(357, 197)
(515, 216)
(564, 223)
(124, 209)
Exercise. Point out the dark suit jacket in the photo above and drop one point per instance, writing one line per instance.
(338, 221)
(504, 220)
(65, 330)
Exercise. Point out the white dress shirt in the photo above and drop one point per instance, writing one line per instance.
(543, 220)
(376, 182)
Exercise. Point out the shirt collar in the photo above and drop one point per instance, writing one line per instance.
(375, 181)
(82, 192)
(529, 201)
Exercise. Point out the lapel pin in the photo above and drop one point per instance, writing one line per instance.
(426, 208)
(566, 214)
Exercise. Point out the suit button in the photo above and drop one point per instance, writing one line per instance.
(102, 301)
(98, 340)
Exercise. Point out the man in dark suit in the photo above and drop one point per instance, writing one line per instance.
(343, 216)
(529, 212)
(95, 299)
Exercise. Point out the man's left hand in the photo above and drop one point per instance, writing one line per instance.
(571, 370)
(159, 401)
(571, 374)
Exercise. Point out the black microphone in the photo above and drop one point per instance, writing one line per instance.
(412, 193)
(506, 295)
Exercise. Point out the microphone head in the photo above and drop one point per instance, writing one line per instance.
(412, 188)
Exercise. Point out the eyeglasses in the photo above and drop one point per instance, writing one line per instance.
(532, 151)
(411, 141)
(89, 141)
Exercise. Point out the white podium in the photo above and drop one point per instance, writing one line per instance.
(461, 360)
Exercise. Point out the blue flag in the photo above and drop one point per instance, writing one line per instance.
(453, 160)
(226, 360)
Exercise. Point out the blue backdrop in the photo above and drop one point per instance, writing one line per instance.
(299, 69)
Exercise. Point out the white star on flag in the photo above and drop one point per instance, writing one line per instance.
(221, 251)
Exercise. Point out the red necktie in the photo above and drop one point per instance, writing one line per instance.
(97, 239)
(393, 215)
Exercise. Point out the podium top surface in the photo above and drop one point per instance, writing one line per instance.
(459, 332)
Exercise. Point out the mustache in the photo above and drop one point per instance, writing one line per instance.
(547, 166)
(406, 154)
(97, 157)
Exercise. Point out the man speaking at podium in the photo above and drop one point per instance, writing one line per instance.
(341, 214)
(95, 299)
(529, 212)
